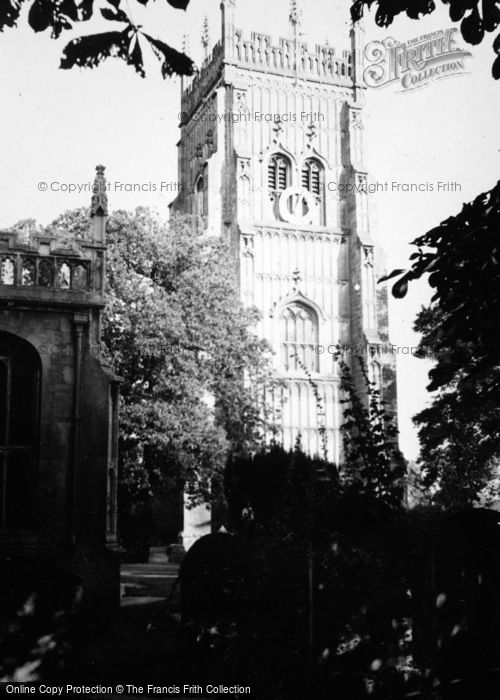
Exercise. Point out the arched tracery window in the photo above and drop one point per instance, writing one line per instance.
(278, 173)
(313, 180)
(19, 415)
(299, 338)
(312, 176)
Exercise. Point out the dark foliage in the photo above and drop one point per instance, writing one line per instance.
(9, 12)
(326, 551)
(38, 605)
(400, 604)
(476, 17)
(294, 483)
(89, 51)
(374, 465)
(454, 573)
(172, 60)
(459, 431)
(462, 257)
(211, 576)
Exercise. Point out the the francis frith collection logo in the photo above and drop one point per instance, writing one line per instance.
(416, 62)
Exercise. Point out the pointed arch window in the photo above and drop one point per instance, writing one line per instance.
(312, 176)
(200, 196)
(19, 416)
(313, 180)
(299, 338)
(278, 173)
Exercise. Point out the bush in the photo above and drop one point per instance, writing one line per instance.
(37, 610)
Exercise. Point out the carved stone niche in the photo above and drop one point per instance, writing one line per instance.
(240, 105)
(361, 183)
(357, 119)
(368, 255)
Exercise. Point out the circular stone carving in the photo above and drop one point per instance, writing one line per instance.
(297, 205)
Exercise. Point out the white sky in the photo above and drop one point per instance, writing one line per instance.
(57, 125)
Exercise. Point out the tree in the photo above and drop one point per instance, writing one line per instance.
(126, 42)
(25, 228)
(373, 464)
(476, 17)
(180, 339)
(460, 431)
(330, 544)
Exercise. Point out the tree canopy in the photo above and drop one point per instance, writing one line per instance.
(460, 431)
(181, 340)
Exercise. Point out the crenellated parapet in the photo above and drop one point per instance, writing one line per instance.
(54, 267)
(50, 268)
(288, 57)
(198, 86)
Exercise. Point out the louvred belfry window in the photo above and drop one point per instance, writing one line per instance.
(278, 173)
(312, 176)
(312, 179)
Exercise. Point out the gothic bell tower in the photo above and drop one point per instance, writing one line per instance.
(271, 158)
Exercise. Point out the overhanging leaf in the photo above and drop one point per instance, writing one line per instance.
(400, 288)
(38, 17)
(114, 16)
(135, 57)
(9, 12)
(90, 51)
(394, 273)
(179, 4)
(173, 61)
(495, 69)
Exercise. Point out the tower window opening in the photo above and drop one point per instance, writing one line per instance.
(312, 178)
(278, 173)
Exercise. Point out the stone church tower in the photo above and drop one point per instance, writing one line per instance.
(271, 156)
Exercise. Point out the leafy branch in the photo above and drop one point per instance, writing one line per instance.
(91, 50)
(462, 258)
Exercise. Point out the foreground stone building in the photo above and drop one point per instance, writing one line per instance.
(271, 157)
(58, 406)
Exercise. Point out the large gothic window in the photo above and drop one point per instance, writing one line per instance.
(278, 173)
(299, 338)
(19, 411)
(313, 180)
